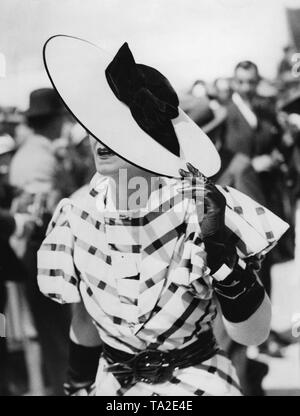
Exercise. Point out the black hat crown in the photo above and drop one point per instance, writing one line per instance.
(44, 102)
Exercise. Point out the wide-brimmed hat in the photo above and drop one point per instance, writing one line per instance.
(44, 102)
(131, 108)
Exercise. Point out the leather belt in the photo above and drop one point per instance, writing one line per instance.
(154, 366)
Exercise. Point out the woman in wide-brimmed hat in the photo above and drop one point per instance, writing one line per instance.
(146, 255)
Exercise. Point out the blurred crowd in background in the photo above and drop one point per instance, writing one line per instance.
(45, 156)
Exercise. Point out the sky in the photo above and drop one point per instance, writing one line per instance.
(184, 39)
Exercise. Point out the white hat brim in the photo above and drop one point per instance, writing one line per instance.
(76, 69)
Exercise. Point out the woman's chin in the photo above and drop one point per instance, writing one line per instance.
(107, 170)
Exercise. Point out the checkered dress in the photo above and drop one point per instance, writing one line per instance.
(143, 278)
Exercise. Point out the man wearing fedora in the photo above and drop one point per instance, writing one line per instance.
(33, 170)
(253, 129)
(34, 164)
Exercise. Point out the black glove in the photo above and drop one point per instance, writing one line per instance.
(82, 370)
(238, 290)
(240, 294)
(213, 223)
(219, 241)
(197, 187)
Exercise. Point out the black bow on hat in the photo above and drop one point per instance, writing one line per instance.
(148, 94)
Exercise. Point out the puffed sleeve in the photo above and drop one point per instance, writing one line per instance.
(57, 277)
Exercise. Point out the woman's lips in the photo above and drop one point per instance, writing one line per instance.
(104, 153)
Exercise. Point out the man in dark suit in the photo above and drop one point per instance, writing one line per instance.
(253, 130)
(252, 127)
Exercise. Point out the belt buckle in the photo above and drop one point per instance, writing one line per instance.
(152, 366)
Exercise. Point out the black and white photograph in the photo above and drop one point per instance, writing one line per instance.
(150, 200)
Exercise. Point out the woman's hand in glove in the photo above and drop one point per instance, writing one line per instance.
(210, 205)
(209, 201)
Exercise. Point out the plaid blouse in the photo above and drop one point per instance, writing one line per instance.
(143, 278)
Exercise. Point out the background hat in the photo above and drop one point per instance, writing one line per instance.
(44, 102)
(77, 68)
(291, 104)
(203, 113)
